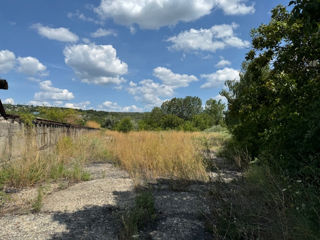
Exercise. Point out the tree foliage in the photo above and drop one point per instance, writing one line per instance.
(66, 115)
(274, 109)
(125, 125)
(184, 108)
(184, 114)
(214, 109)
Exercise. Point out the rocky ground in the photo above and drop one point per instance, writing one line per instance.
(92, 209)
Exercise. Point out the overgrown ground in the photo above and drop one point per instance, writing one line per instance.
(183, 190)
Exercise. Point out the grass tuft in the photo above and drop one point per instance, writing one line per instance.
(37, 204)
(136, 218)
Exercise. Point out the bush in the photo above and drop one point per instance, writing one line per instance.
(171, 121)
(202, 121)
(125, 125)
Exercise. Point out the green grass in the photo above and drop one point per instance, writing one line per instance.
(135, 219)
(37, 204)
(263, 206)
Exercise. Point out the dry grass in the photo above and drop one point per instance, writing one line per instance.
(93, 124)
(145, 155)
(167, 154)
(65, 161)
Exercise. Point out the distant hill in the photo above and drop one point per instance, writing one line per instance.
(105, 119)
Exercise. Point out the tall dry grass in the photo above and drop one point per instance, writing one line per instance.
(92, 124)
(66, 160)
(159, 154)
(145, 155)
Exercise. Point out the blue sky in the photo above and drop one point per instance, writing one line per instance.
(123, 55)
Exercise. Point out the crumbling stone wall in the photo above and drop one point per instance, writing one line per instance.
(16, 138)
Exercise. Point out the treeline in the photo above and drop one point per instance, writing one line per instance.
(184, 114)
(74, 116)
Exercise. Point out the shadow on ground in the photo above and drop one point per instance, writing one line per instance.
(182, 210)
(93, 222)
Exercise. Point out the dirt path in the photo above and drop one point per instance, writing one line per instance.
(86, 210)
(91, 210)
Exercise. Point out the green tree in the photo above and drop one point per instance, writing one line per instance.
(152, 120)
(202, 121)
(215, 110)
(66, 115)
(184, 108)
(171, 121)
(125, 125)
(274, 109)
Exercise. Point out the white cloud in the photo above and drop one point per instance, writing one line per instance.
(48, 92)
(96, 64)
(223, 63)
(81, 105)
(60, 34)
(235, 7)
(7, 61)
(30, 66)
(173, 79)
(221, 98)
(86, 40)
(33, 79)
(9, 101)
(150, 92)
(218, 78)
(132, 30)
(153, 14)
(114, 107)
(39, 103)
(103, 32)
(212, 39)
(81, 16)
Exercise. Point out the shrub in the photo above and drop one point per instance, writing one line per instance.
(125, 125)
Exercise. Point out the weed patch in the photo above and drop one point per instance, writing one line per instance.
(136, 218)
(260, 207)
(37, 204)
(66, 161)
(168, 154)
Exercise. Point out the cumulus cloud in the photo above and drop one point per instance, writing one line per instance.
(39, 103)
(114, 107)
(149, 92)
(223, 63)
(81, 16)
(212, 39)
(60, 34)
(103, 32)
(81, 105)
(9, 101)
(218, 78)
(48, 92)
(152, 93)
(96, 64)
(235, 7)
(153, 14)
(173, 79)
(221, 98)
(7, 61)
(30, 66)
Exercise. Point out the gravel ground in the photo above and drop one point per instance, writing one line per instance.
(90, 210)
(86, 210)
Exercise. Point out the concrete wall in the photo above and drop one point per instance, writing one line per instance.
(16, 138)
